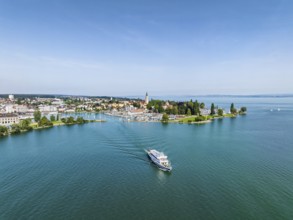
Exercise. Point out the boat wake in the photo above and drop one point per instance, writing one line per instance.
(128, 142)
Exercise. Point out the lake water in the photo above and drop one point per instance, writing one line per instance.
(230, 169)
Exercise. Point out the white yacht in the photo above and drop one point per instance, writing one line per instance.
(160, 159)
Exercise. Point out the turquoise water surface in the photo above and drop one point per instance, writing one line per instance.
(238, 168)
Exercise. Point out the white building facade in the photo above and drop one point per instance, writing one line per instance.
(47, 108)
(8, 119)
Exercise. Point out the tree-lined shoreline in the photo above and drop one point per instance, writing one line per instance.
(193, 112)
(27, 125)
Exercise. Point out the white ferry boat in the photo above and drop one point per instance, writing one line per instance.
(160, 159)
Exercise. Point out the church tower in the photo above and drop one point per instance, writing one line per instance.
(146, 99)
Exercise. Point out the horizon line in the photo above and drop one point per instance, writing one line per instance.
(132, 96)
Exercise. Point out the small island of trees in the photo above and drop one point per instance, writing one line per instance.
(191, 111)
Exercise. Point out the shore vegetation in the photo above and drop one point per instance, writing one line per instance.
(165, 118)
(27, 124)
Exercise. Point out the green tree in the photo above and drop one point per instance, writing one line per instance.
(213, 109)
(233, 110)
(202, 105)
(149, 106)
(70, 120)
(3, 131)
(165, 118)
(45, 122)
(37, 116)
(196, 110)
(136, 104)
(220, 112)
(175, 110)
(169, 110)
(199, 118)
(18, 101)
(190, 104)
(160, 109)
(63, 120)
(52, 118)
(80, 120)
(15, 129)
(181, 108)
(25, 124)
(188, 112)
(243, 109)
(231, 107)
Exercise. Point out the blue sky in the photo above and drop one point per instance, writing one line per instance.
(164, 47)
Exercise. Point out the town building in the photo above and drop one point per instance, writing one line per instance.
(47, 108)
(11, 97)
(14, 108)
(136, 112)
(57, 102)
(21, 108)
(9, 109)
(146, 99)
(2, 108)
(8, 119)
